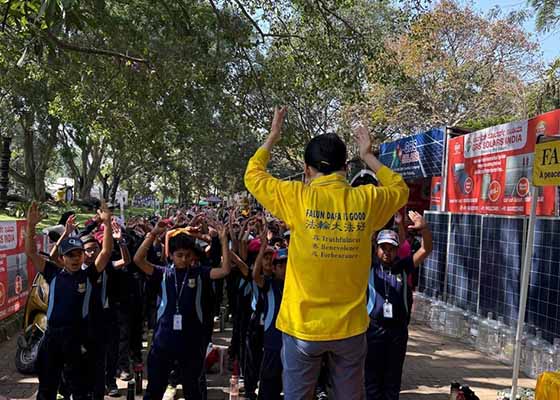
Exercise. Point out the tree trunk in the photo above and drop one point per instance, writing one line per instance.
(90, 170)
(183, 190)
(29, 162)
(39, 190)
(114, 187)
(5, 157)
(104, 179)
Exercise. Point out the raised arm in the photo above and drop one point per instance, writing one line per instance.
(33, 218)
(125, 254)
(392, 195)
(275, 195)
(232, 234)
(243, 243)
(420, 224)
(105, 218)
(225, 267)
(140, 258)
(258, 270)
(68, 229)
(243, 267)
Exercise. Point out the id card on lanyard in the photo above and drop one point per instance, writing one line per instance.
(178, 318)
(387, 306)
(387, 309)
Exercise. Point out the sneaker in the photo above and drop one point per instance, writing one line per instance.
(113, 390)
(321, 395)
(125, 376)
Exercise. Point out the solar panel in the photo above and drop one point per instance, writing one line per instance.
(463, 261)
(502, 249)
(433, 271)
(543, 309)
(484, 257)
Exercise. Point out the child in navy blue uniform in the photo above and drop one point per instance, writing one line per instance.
(269, 274)
(99, 328)
(186, 293)
(70, 291)
(389, 306)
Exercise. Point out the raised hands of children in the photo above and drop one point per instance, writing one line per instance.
(34, 215)
(70, 226)
(217, 228)
(264, 235)
(418, 221)
(117, 230)
(197, 219)
(105, 215)
(222, 231)
(160, 227)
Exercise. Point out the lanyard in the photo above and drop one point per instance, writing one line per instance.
(385, 283)
(178, 291)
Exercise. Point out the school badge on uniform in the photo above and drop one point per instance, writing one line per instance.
(192, 283)
(81, 287)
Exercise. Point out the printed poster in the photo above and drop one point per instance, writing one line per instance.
(417, 156)
(489, 171)
(547, 164)
(435, 193)
(16, 272)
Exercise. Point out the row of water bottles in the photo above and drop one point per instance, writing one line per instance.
(488, 335)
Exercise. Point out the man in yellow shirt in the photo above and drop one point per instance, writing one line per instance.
(323, 309)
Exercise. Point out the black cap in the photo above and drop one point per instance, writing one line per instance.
(67, 245)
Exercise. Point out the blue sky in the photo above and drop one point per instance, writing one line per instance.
(550, 42)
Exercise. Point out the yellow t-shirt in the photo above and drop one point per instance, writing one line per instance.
(331, 226)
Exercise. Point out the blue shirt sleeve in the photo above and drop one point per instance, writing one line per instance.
(157, 275)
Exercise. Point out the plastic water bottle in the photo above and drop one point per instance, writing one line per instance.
(234, 383)
(507, 345)
(234, 388)
(130, 389)
(550, 356)
(494, 329)
(139, 377)
(473, 327)
(436, 311)
(482, 339)
(534, 353)
(525, 338)
(454, 320)
(443, 315)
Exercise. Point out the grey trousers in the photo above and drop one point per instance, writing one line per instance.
(345, 362)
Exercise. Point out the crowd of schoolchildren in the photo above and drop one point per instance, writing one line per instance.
(112, 280)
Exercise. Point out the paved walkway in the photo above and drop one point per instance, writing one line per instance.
(432, 363)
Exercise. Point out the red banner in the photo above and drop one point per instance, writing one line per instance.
(16, 272)
(489, 170)
(419, 195)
